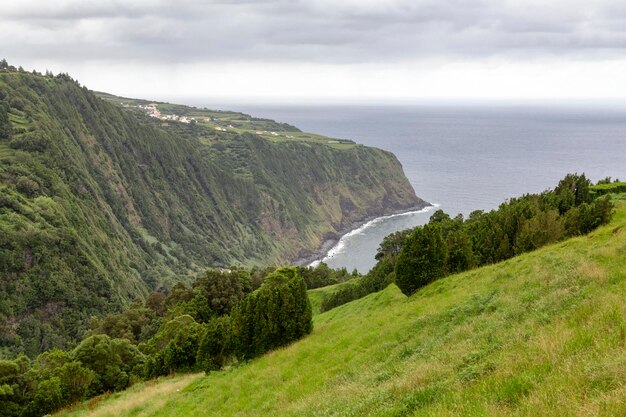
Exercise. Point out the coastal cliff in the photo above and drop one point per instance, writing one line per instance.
(103, 199)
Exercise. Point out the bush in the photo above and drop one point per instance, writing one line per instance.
(17, 103)
(30, 142)
(26, 186)
(322, 275)
(377, 279)
(608, 188)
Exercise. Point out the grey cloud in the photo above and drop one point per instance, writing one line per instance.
(319, 31)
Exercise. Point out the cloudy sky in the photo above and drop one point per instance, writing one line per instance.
(326, 49)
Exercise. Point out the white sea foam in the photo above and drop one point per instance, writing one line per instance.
(339, 246)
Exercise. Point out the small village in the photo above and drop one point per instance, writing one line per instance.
(225, 122)
(152, 110)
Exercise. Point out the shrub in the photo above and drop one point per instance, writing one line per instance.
(17, 103)
(5, 123)
(26, 186)
(30, 142)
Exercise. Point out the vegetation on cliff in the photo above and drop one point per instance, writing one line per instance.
(100, 204)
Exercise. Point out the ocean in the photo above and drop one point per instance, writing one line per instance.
(466, 157)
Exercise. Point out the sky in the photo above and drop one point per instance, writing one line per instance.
(326, 50)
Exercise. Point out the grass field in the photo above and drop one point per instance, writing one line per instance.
(543, 334)
(140, 400)
(317, 295)
(236, 123)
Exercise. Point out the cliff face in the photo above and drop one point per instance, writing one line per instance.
(312, 191)
(100, 204)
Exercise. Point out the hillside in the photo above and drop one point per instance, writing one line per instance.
(100, 203)
(540, 334)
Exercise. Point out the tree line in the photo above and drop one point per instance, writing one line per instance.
(415, 257)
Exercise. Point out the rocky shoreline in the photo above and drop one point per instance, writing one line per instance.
(331, 239)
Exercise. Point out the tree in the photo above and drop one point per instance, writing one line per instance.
(198, 308)
(17, 103)
(173, 347)
(156, 302)
(543, 228)
(572, 191)
(75, 380)
(392, 244)
(422, 259)
(276, 314)
(5, 124)
(303, 315)
(439, 216)
(48, 397)
(222, 289)
(127, 325)
(111, 360)
(215, 347)
(47, 362)
(461, 255)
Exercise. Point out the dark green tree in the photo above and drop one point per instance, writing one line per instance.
(460, 253)
(75, 380)
(222, 289)
(276, 314)
(215, 347)
(422, 260)
(5, 124)
(392, 244)
(572, 191)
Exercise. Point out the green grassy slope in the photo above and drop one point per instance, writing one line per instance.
(317, 295)
(543, 334)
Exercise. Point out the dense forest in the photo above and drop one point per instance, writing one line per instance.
(100, 205)
(221, 319)
(415, 257)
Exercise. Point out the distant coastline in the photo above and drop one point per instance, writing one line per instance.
(333, 243)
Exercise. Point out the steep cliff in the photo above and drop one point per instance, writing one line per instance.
(100, 203)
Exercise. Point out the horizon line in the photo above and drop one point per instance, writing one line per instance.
(201, 100)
